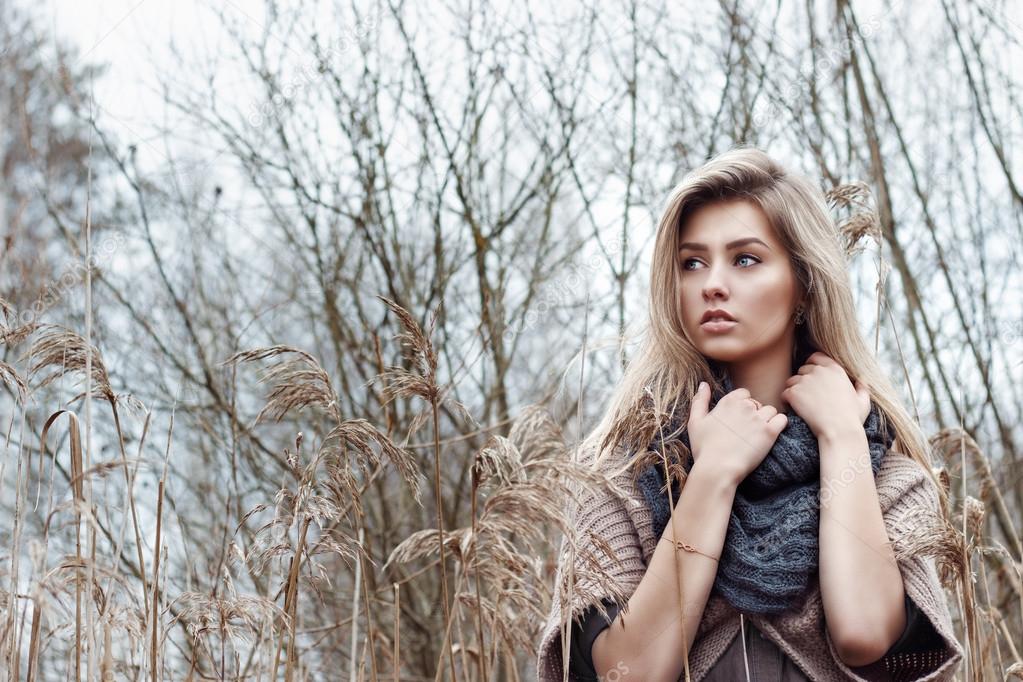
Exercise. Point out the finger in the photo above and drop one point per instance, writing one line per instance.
(819, 358)
(778, 422)
(700, 402)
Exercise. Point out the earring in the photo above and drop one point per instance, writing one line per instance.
(799, 314)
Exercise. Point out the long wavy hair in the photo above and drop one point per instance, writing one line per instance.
(663, 374)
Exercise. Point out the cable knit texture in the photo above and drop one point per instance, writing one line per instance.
(624, 527)
(770, 554)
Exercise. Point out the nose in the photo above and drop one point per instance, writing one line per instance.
(714, 286)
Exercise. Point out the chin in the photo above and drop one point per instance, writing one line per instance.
(723, 351)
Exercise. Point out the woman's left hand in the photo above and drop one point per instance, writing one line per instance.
(825, 397)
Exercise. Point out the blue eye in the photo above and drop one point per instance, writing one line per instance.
(737, 258)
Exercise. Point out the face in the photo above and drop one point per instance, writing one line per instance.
(732, 261)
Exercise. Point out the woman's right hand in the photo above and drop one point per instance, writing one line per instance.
(737, 433)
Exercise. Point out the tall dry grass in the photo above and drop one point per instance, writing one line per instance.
(501, 557)
(491, 608)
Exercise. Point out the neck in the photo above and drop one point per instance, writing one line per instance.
(764, 376)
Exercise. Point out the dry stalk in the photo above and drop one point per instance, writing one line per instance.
(423, 383)
(397, 631)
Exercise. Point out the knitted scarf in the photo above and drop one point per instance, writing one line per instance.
(770, 553)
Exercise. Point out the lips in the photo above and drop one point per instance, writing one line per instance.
(716, 315)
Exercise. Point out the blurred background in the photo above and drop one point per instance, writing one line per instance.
(288, 286)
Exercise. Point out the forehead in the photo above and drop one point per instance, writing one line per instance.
(723, 221)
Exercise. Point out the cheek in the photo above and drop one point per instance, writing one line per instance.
(692, 305)
(770, 294)
(769, 306)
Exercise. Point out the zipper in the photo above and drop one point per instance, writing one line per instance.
(742, 633)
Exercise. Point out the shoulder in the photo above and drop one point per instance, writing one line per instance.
(899, 473)
(907, 492)
(605, 486)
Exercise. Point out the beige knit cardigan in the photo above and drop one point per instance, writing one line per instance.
(908, 499)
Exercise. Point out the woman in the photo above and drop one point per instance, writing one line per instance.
(774, 553)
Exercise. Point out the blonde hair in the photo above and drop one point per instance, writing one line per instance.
(666, 370)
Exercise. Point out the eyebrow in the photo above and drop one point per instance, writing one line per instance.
(693, 246)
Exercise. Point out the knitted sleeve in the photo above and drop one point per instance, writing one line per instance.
(910, 506)
(603, 560)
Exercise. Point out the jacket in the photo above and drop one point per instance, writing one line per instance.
(602, 521)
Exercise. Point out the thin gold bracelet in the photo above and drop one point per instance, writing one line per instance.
(689, 548)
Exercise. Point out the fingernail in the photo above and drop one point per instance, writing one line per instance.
(702, 384)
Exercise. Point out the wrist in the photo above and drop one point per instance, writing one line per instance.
(708, 473)
(841, 433)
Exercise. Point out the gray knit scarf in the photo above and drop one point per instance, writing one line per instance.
(771, 547)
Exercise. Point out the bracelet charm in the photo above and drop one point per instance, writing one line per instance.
(687, 547)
